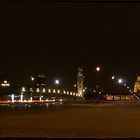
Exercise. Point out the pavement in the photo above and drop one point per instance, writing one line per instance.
(110, 120)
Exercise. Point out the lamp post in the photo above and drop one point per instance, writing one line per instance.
(120, 81)
(32, 87)
(98, 86)
(98, 69)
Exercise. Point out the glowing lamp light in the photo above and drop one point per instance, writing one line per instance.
(54, 91)
(32, 78)
(125, 85)
(5, 82)
(23, 89)
(57, 82)
(37, 90)
(113, 77)
(98, 69)
(120, 81)
(44, 90)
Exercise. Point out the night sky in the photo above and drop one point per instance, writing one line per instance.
(56, 39)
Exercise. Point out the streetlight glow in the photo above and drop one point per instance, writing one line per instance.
(32, 78)
(113, 77)
(23, 89)
(98, 69)
(57, 82)
(120, 81)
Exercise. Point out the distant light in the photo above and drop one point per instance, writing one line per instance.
(8, 85)
(54, 91)
(37, 90)
(127, 87)
(98, 69)
(64, 92)
(23, 89)
(49, 90)
(75, 85)
(57, 82)
(58, 91)
(113, 77)
(120, 81)
(32, 78)
(44, 90)
(83, 90)
(5, 82)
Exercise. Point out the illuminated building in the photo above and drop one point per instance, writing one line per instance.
(119, 97)
(137, 85)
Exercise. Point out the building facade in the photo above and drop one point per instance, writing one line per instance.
(137, 85)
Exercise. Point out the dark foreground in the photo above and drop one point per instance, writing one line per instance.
(79, 121)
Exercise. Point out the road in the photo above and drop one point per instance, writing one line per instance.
(82, 120)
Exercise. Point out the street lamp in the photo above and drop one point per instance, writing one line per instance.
(120, 81)
(32, 78)
(98, 69)
(57, 82)
(98, 86)
(113, 77)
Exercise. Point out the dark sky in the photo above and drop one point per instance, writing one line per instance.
(56, 39)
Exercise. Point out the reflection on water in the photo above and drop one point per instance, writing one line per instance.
(32, 105)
